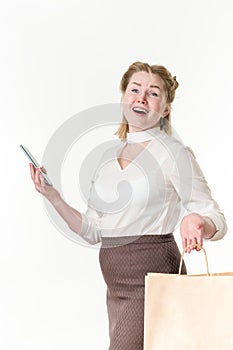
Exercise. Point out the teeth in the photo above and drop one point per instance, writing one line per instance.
(139, 110)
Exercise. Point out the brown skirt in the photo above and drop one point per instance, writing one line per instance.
(124, 268)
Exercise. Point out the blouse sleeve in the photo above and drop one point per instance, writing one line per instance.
(194, 192)
(91, 219)
(90, 228)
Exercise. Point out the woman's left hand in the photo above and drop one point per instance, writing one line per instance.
(192, 231)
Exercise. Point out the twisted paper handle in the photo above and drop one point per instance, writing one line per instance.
(206, 260)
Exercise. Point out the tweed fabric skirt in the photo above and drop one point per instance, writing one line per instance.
(124, 268)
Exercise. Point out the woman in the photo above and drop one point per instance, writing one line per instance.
(159, 174)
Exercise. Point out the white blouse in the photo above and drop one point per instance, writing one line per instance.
(151, 194)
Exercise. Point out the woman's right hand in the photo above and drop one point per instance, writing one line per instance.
(46, 190)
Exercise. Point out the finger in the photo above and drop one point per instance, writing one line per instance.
(42, 180)
(43, 169)
(199, 241)
(194, 243)
(37, 178)
(32, 171)
(34, 176)
(198, 236)
(183, 237)
(190, 245)
(184, 243)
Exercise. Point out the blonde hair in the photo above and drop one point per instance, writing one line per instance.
(170, 85)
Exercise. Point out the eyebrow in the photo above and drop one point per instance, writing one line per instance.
(152, 86)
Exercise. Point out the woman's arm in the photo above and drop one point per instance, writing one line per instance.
(86, 225)
(70, 215)
(205, 220)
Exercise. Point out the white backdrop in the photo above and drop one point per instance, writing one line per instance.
(61, 57)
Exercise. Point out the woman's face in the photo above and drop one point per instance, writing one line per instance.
(144, 101)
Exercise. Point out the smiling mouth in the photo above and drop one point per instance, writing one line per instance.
(140, 111)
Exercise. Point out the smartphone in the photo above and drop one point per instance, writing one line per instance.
(36, 164)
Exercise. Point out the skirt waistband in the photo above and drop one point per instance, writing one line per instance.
(152, 238)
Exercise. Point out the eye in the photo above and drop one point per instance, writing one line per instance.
(135, 90)
(154, 94)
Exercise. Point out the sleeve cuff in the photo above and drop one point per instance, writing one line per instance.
(221, 228)
(90, 231)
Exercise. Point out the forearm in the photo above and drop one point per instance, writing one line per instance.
(70, 215)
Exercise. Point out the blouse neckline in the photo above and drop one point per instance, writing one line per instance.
(141, 136)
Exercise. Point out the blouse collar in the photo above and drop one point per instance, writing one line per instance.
(141, 136)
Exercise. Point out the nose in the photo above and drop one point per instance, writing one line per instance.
(142, 98)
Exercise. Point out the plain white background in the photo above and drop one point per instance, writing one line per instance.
(57, 59)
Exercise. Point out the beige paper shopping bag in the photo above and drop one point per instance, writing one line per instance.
(189, 312)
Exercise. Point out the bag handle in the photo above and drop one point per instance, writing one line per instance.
(195, 246)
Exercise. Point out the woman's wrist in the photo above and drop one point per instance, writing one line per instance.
(54, 197)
